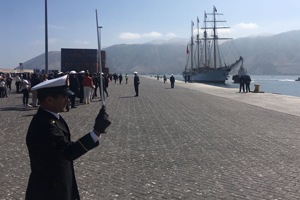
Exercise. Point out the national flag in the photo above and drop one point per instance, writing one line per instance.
(187, 50)
(197, 19)
(192, 23)
(205, 15)
(216, 9)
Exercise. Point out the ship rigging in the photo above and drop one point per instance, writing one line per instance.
(211, 64)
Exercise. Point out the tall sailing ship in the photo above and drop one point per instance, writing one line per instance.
(209, 63)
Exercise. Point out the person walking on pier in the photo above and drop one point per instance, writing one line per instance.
(34, 81)
(120, 78)
(105, 86)
(8, 81)
(136, 82)
(18, 82)
(185, 78)
(247, 80)
(50, 148)
(242, 83)
(115, 77)
(25, 90)
(81, 92)
(74, 87)
(95, 81)
(2, 87)
(126, 78)
(172, 80)
(189, 78)
(87, 86)
(165, 78)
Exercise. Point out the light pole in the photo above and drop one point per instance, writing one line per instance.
(46, 39)
(99, 58)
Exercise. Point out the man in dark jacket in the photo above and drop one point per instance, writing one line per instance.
(74, 87)
(136, 83)
(242, 83)
(172, 80)
(34, 81)
(247, 81)
(95, 81)
(105, 85)
(51, 150)
(80, 79)
(120, 78)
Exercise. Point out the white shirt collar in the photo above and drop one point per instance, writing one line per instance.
(55, 114)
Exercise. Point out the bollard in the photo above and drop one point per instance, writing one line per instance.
(192, 80)
(256, 89)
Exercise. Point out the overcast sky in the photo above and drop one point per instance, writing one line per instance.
(72, 23)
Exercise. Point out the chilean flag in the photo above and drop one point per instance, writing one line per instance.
(187, 50)
(216, 9)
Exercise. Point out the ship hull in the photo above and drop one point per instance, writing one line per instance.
(216, 76)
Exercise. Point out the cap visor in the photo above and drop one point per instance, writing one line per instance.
(68, 92)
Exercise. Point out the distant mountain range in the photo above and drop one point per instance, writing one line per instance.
(269, 54)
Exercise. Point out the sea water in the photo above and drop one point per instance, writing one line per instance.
(276, 84)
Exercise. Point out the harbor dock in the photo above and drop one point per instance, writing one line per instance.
(195, 141)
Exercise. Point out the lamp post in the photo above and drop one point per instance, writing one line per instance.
(46, 39)
(99, 58)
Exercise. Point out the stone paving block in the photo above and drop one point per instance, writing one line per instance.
(166, 144)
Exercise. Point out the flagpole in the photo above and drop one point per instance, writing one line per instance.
(99, 59)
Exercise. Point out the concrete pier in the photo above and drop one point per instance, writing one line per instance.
(192, 142)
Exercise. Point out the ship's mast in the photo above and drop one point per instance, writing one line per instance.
(214, 36)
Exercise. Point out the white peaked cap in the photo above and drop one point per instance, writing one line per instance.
(72, 72)
(135, 72)
(58, 85)
(81, 72)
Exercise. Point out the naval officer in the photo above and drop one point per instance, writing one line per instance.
(51, 150)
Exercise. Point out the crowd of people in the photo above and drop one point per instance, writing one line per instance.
(85, 85)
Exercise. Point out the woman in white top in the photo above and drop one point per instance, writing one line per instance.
(25, 90)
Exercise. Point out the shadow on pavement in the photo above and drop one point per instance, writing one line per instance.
(31, 115)
(127, 97)
(17, 109)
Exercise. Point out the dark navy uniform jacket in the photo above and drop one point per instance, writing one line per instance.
(51, 155)
(136, 80)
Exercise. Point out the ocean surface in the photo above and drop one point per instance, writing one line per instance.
(277, 84)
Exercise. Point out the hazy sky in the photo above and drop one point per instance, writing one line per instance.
(72, 23)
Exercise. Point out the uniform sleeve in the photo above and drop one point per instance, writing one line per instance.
(60, 143)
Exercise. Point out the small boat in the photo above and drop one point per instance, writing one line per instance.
(298, 79)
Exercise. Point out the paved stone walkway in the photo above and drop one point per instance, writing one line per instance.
(167, 143)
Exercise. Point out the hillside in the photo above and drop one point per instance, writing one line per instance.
(277, 54)
(38, 62)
